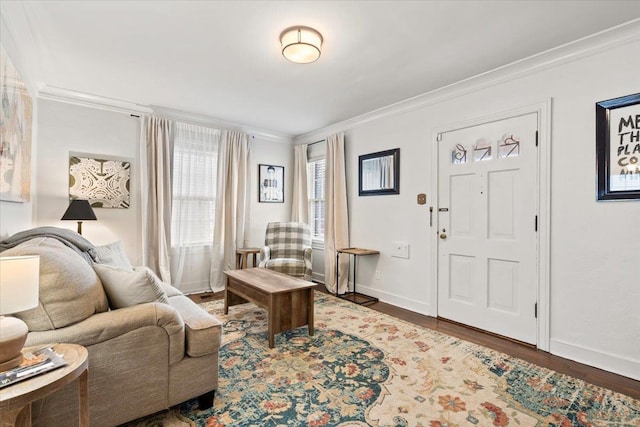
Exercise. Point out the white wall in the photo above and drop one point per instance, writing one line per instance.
(269, 153)
(16, 217)
(65, 128)
(68, 128)
(595, 246)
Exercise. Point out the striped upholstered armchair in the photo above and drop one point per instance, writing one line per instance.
(287, 249)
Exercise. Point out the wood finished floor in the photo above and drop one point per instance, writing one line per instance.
(526, 352)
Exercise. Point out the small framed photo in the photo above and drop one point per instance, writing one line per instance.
(270, 184)
(618, 148)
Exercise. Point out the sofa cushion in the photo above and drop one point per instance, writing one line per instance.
(169, 290)
(113, 254)
(203, 331)
(70, 291)
(126, 288)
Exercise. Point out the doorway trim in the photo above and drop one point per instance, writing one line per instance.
(543, 205)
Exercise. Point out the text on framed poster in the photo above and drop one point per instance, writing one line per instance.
(618, 148)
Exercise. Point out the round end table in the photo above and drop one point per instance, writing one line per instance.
(16, 399)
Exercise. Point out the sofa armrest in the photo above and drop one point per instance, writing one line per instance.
(265, 255)
(203, 331)
(105, 326)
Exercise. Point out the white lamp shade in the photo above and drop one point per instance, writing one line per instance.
(19, 283)
(301, 45)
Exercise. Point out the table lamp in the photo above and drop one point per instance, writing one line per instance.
(19, 284)
(79, 210)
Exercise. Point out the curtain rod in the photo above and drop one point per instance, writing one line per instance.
(317, 142)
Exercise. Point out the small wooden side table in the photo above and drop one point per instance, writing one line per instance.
(16, 399)
(354, 296)
(242, 255)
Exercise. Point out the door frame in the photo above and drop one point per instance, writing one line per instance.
(543, 205)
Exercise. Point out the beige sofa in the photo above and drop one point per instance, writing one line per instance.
(142, 359)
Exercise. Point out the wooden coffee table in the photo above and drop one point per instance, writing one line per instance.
(288, 300)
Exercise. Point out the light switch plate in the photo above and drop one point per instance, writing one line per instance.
(400, 250)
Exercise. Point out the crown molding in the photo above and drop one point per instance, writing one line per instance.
(68, 96)
(125, 107)
(572, 51)
(198, 119)
(16, 26)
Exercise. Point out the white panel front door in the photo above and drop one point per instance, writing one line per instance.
(487, 266)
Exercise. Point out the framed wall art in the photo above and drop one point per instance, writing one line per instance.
(270, 183)
(618, 148)
(379, 173)
(102, 181)
(16, 110)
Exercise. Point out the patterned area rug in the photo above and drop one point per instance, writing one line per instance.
(365, 368)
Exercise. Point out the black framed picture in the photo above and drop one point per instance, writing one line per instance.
(618, 148)
(270, 184)
(379, 173)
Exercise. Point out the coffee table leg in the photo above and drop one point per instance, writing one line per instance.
(272, 321)
(271, 334)
(226, 300)
(310, 302)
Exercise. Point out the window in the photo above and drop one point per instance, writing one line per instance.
(195, 159)
(315, 186)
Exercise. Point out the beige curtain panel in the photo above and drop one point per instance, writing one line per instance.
(156, 154)
(299, 199)
(232, 204)
(336, 221)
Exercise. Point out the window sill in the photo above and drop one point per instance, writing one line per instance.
(192, 248)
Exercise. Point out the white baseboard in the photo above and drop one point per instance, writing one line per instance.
(317, 277)
(596, 358)
(397, 300)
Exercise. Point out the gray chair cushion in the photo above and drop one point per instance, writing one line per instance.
(288, 249)
(290, 266)
(287, 239)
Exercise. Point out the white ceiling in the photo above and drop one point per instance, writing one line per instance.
(222, 59)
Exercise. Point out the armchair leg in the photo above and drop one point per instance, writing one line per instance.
(205, 401)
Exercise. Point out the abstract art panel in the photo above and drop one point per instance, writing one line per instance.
(16, 112)
(103, 182)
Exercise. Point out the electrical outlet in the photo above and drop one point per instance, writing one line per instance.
(378, 275)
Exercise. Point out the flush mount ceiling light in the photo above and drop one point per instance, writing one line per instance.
(301, 44)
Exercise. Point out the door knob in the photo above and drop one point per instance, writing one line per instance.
(443, 235)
